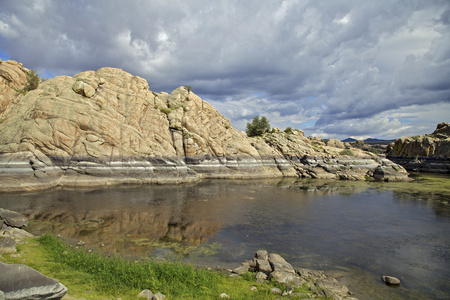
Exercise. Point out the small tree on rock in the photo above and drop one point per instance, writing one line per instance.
(258, 126)
(33, 81)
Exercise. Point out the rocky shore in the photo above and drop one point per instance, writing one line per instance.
(24, 282)
(274, 267)
(107, 127)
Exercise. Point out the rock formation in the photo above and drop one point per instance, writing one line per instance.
(108, 127)
(426, 153)
(13, 78)
(11, 230)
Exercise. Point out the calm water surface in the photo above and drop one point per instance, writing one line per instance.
(362, 230)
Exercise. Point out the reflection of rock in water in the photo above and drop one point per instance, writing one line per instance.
(325, 186)
(134, 230)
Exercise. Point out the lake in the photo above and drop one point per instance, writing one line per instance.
(362, 230)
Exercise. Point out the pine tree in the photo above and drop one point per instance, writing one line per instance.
(258, 126)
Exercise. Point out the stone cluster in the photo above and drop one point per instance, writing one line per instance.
(11, 229)
(274, 267)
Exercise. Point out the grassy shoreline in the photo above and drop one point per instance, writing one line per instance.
(97, 276)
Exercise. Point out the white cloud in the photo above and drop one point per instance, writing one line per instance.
(344, 20)
(8, 26)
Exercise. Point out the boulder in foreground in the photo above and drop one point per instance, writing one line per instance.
(23, 282)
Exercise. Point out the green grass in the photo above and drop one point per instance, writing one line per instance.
(347, 152)
(97, 276)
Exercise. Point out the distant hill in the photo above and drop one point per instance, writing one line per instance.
(349, 140)
(370, 141)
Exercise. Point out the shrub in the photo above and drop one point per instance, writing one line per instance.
(258, 126)
(288, 130)
(188, 88)
(165, 110)
(33, 81)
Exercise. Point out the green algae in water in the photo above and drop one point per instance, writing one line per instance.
(205, 249)
(428, 187)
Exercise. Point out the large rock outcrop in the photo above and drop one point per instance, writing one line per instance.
(108, 127)
(426, 153)
(13, 78)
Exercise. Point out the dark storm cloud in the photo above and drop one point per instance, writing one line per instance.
(345, 65)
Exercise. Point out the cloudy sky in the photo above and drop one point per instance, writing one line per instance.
(335, 69)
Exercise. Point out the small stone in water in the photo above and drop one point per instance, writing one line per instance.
(390, 280)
